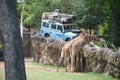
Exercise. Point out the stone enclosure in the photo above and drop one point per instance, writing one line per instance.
(96, 59)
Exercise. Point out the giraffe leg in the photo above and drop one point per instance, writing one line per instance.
(65, 62)
(73, 62)
(78, 62)
(60, 60)
(34, 57)
(82, 63)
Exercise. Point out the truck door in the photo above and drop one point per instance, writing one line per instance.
(60, 32)
(53, 30)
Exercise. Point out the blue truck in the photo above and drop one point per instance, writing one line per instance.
(62, 28)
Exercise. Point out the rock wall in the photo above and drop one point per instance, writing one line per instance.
(102, 60)
(96, 59)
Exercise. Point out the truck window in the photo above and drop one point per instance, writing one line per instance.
(53, 26)
(67, 27)
(60, 28)
(45, 24)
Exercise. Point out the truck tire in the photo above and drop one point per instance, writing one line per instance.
(47, 35)
(68, 39)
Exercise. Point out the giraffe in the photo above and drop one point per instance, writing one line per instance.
(73, 47)
(77, 50)
(65, 53)
(38, 43)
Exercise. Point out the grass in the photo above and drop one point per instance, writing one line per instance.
(47, 66)
(43, 75)
(39, 74)
(2, 75)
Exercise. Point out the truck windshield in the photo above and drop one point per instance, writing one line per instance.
(68, 28)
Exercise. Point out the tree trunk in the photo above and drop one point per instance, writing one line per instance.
(12, 42)
(90, 30)
(21, 19)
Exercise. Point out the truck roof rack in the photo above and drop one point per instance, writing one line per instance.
(58, 17)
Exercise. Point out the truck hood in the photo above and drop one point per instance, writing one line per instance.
(71, 34)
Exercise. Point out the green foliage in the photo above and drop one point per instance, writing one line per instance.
(19, 9)
(104, 29)
(115, 21)
(90, 14)
(1, 46)
(66, 6)
(34, 10)
(89, 21)
(87, 13)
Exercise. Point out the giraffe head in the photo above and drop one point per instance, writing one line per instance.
(91, 38)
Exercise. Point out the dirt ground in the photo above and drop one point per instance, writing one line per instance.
(1, 65)
(29, 65)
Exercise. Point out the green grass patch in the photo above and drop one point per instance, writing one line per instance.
(46, 75)
(2, 76)
(47, 66)
(40, 74)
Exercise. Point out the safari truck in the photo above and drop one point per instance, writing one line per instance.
(59, 26)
